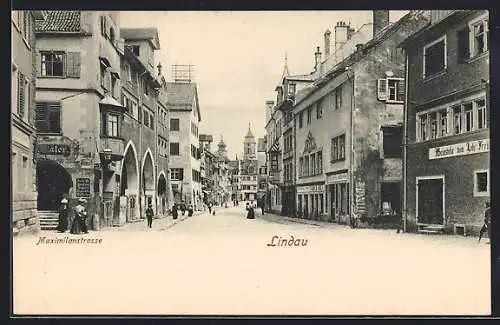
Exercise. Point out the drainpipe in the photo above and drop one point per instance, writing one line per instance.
(141, 125)
(404, 213)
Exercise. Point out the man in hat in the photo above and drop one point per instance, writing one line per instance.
(486, 225)
(149, 215)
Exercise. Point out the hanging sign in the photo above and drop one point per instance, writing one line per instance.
(83, 187)
(460, 149)
(53, 149)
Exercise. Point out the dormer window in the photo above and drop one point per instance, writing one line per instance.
(291, 90)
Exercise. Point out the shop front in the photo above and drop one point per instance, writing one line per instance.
(310, 201)
(338, 196)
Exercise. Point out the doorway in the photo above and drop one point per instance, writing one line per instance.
(53, 184)
(430, 200)
(390, 197)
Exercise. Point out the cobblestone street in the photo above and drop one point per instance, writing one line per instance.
(212, 264)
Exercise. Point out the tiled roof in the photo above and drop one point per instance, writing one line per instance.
(60, 21)
(180, 94)
(141, 34)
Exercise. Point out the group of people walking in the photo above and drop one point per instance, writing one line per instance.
(79, 222)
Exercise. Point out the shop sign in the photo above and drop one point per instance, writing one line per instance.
(336, 178)
(83, 187)
(460, 149)
(53, 149)
(311, 188)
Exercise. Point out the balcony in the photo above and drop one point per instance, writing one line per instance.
(111, 148)
(274, 177)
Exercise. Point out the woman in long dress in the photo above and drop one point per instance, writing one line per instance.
(62, 226)
(77, 226)
(251, 212)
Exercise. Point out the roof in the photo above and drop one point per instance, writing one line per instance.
(358, 55)
(181, 96)
(67, 21)
(135, 34)
(249, 133)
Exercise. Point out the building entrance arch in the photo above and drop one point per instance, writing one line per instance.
(162, 194)
(129, 187)
(53, 184)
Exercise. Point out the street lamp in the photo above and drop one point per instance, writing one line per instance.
(107, 154)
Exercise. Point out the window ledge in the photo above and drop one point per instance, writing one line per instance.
(436, 75)
(388, 101)
(51, 77)
(451, 136)
(481, 194)
(478, 57)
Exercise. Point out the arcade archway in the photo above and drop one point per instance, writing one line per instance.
(129, 186)
(53, 183)
(148, 183)
(162, 194)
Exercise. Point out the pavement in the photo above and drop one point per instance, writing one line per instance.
(227, 264)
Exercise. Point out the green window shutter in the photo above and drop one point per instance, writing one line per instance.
(41, 122)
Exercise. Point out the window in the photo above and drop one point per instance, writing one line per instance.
(433, 123)
(111, 125)
(48, 117)
(174, 124)
(306, 166)
(338, 98)
(301, 166)
(25, 173)
(128, 72)
(423, 127)
(313, 164)
(481, 183)
(146, 118)
(443, 127)
(112, 35)
(301, 115)
(174, 148)
(291, 89)
(177, 174)
(52, 64)
(481, 113)
(479, 37)
(469, 117)
(319, 156)
(309, 114)
(14, 86)
(152, 121)
(392, 141)
(319, 109)
(465, 117)
(274, 163)
(435, 57)
(23, 100)
(457, 119)
(114, 87)
(338, 148)
(146, 87)
(391, 89)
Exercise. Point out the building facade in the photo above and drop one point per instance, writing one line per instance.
(208, 168)
(184, 111)
(78, 87)
(234, 170)
(249, 171)
(223, 176)
(262, 178)
(447, 169)
(23, 119)
(349, 129)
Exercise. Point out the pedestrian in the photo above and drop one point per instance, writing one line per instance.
(210, 207)
(183, 207)
(149, 215)
(251, 211)
(63, 216)
(174, 211)
(79, 224)
(486, 225)
(262, 205)
(190, 209)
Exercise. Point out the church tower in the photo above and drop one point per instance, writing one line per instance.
(249, 144)
(222, 151)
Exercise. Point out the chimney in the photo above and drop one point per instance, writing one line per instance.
(327, 43)
(380, 20)
(317, 57)
(340, 34)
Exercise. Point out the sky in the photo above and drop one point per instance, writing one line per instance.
(238, 58)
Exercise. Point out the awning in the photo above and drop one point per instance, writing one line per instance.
(104, 60)
(110, 101)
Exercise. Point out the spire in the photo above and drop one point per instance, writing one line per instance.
(249, 133)
(286, 73)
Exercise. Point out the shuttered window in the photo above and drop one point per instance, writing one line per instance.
(463, 45)
(20, 95)
(73, 64)
(391, 89)
(48, 117)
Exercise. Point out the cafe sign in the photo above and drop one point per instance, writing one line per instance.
(336, 178)
(53, 149)
(460, 149)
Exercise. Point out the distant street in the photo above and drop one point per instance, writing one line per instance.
(221, 264)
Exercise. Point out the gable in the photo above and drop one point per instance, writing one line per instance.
(310, 143)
